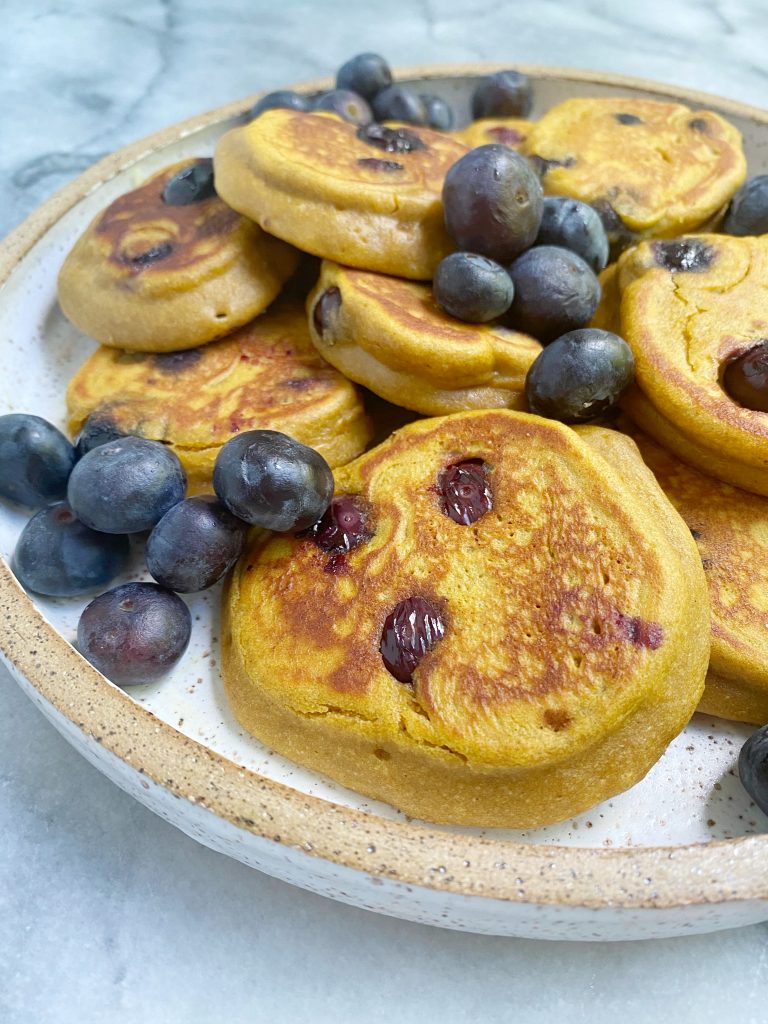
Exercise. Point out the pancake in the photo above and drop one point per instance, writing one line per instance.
(366, 197)
(652, 169)
(265, 375)
(509, 131)
(683, 326)
(390, 335)
(568, 626)
(149, 276)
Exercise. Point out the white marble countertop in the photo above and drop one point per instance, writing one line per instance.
(106, 912)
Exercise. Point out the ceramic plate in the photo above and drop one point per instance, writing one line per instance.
(683, 851)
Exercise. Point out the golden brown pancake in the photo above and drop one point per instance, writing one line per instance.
(507, 131)
(569, 625)
(369, 198)
(659, 169)
(265, 375)
(154, 277)
(390, 335)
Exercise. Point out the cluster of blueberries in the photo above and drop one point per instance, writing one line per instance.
(92, 496)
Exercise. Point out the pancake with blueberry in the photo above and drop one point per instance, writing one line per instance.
(492, 624)
(390, 335)
(652, 169)
(267, 374)
(170, 266)
(693, 311)
(508, 131)
(368, 197)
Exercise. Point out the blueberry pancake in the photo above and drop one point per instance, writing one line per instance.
(509, 131)
(389, 335)
(169, 266)
(491, 625)
(266, 374)
(368, 197)
(652, 169)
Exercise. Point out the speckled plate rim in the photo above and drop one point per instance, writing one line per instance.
(723, 871)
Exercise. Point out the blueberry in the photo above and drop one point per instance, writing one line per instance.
(618, 234)
(97, 429)
(346, 104)
(748, 211)
(472, 287)
(390, 140)
(493, 202)
(439, 114)
(753, 767)
(465, 491)
(579, 376)
(194, 544)
(745, 377)
(505, 94)
(365, 74)
(343, 526)
(126, 486)
(574, 225)
(57, 555)
(396, 103)
(191, 184)
(555, 292)
(269, 480)
(411, 629)
(35, 460)
(283, 99)
(683, 255)
(134, 633)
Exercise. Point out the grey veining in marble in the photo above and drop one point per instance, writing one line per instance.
(106, 912)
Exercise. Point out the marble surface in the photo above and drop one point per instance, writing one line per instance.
(106, 912)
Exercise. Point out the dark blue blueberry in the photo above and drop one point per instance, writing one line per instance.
(134, 633)
(154, 254)
(753, 767)
(126, 486)
(270, 480)
(412, 629)
(390, 140)
(624, 118)
(366, 74)
(504, 94)
(283, 99)
(343, 526)
(748, 210)
(618, 234)
(346, 104)
(35, 460)
(579, 376)
(191, 184)
(465, 491)
(194, 544)
(689, 255)
(493, 202)
(325, 311)
(57, 555)
(745, 377)
(555, 292)
(574, 225)
(472, 287)
(396, 103)
(439, 114)
(97, 429)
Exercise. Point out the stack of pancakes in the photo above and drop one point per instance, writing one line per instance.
(570, 634)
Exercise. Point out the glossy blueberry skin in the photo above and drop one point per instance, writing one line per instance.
(574, 225)
(413, 628)
(493, 202)
(472, 288)
(366, 74)
(35, 460)
(281, 99)
(396, 103)
(579, 376)
(555, 292)
(126, 486)
(194, 544)
(505, 94)
(270, 480)
(97, 430)
(748, 210)
(745, 378)
(439, 114)
(134, 633)
(192, 184)
(753, 767)
(348, 105)
(57, 555)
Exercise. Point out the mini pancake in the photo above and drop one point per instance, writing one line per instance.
(655, 169)
(367, 197)
(569, 626)
(390, 335)
(688, 307)
(509, 131)
(265, 375)
(150, 276)
(730, 528)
